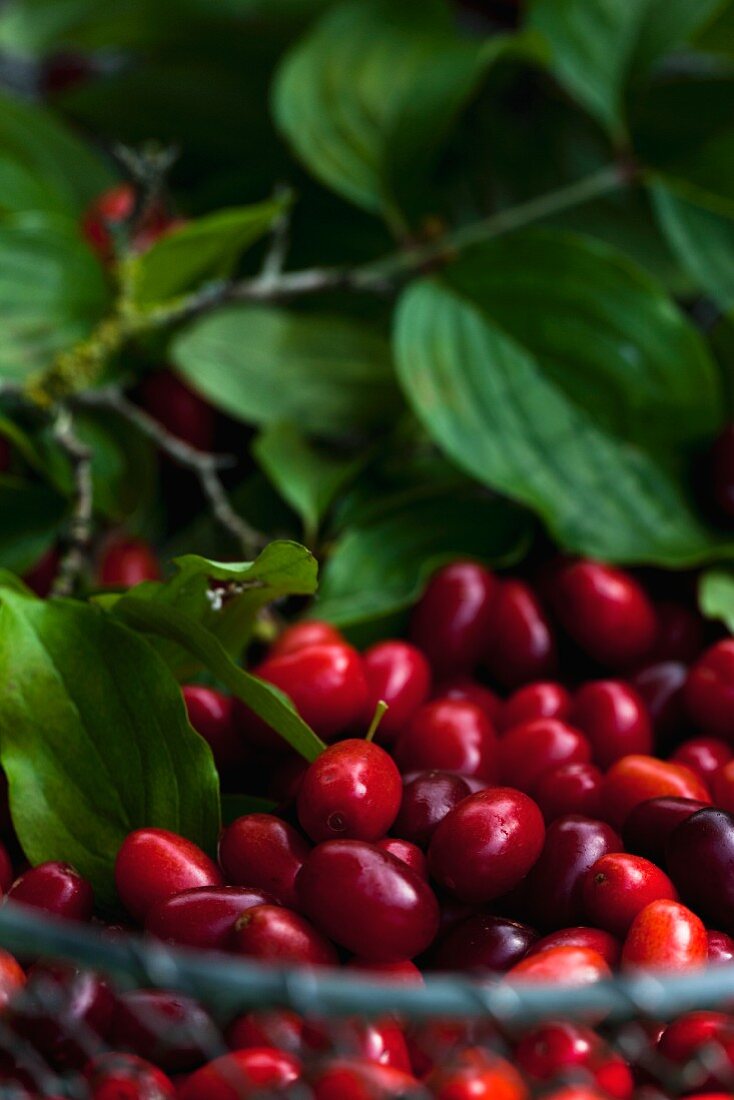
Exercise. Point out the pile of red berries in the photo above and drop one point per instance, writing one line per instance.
(501, 821)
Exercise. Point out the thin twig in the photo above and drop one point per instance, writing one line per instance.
(277, 252)
(75, 559)
(205, 466)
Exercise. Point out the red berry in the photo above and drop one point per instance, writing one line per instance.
(527, 751)
(241, 1075)
(353, 789)
(126, 562)
(169, 1029)
(709, 690)
(561, 966)
(405, 972)
(487, 844)
(303, 635)
(110, 209)
(64, 1013)
(181, 411)
(722, 785)
(211, 715)
(700, 855)
(521, 646)
(407, 853)
(483, 943)
(450, 735)
(619, 886)
(606, 612)
(569, 789)
(41, 576)
(262, 851)
(367, 901)
(476, 1074)
(274, 934)
(665, 935)
(354, 1079)
(701, 1046)
(57, 888)
(660, 686)
(545, 699)
(398, 674)
(562, 1049)
(595, 939)
(203, 917)
(114, 1076)
(705, 756)
(453, 617)
(647, 827)
(614, 718)
(721, 948)
(636, 778)
(427, 798)
(680, 634)
(274, 1027)
(471, 691)
(326, 684)
(154, 864)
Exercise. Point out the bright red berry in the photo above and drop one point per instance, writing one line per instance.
(521, 645)
(709, 690)
(115, 1076)
(614, 718)
(407, 853)
(355, 1079)
(453, 616)
(262, 851)
(637, 778)
(12, 977)
(304, 635)
(569, 789)
(561, 966)
(527, 751)
(273, 934)
(109, 210)
(242, 1074)
(211, 714)
(155, 864)
(203, 917)
(476, 1074)
(545, 699)
(450, 735)
(398, 674)
(705, 756)
(665, 935)
(619, 886)
(595, 939)
(353, 789)
(126, 562)
(562, 1049)
(57, 888)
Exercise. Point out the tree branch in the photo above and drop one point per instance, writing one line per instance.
(74, 561)
(203, 465)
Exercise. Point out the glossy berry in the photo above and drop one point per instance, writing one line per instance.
(115, 1076)
(700, 1045)
(203, 917)
(661, 686)
(398, 674)
(709, 691)
(65, 1013)
(561, 966)
(705, 756)
(181, 411)
(272, 1027)
(483, 943)
(554, 887)
(358, 1079)
(262, 851)
(453, 617)
(304, 635)
(211, 714)
(126, 562)
(545, 699)
(242, 1074)
(605, 611)
(325, 682)
(637, 778)
(647, 827)
(476, 1074)
(12, 977)
(521, 645)
(722, 787)
(407, 853)
(700, 855)
(57, 888)
(169, 1029)
(426, 800)
(471, 691)
(449, 735)
(720, 948)
(595, 939)
(273, 934)
(665, 935)
(527, 751)
(614, 718)
(353, 789)
(487, 844)
(619, 886)
(562, 1049)
(109, 210)
(154, 864)
(569, 789)
(367, 901)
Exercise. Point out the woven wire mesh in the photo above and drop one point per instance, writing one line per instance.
(46, 1040)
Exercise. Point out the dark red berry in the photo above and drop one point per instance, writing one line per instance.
(471, 691)
(211, 715)
(545, 699)
(614, 718)
(6, 868)
(721, 472)
(665, 935)
(594, 939)
(427, 798)
(115, 1076)
(453, 616)
(660, 686)
(398, 674)
(721, 948)
(569, 789)
(273, 934)
(527, 751)
(203, 917)
(680, 634)
(705, 756)
(169, 1029)
(637, 778)
(367, 901)
(303, 636)
(487, 844)
(483, 943)
(619, 886)
(449, 735)
(126, 562)
(262, 851)
(709, 690)
(521, 645)
(241, 1075)
(41, 576)
(353, 790)
(181, 411)
(647, 827)
(65, 1013)
(700, 855)
(56, 887)
(155, 864)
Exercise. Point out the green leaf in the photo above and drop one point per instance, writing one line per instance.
(203, 249)
(702, 239)
(94, 739)
(379, 566)
(31, 519)
(269, 704)
(716, 596)
(488, 402)
(52, 292)
(375, 84)
(306, 476)
(328, 374)
(55, 170)
(591, 44)
(668, 24)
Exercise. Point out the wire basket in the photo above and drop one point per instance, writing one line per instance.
(47, 1040)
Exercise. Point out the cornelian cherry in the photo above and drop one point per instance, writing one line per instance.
(722, 786)
(57, 888)
(665, 935)
(604, 943)
(115, 1076)
(126, 562)
(471, 691)
(353, 789)
(704, 755)
(680, 633)
(721, 948)
(562, 1048)
(569, 789)
(450, 735)
(521, 645)
(545, 699)
(65, 1013)
(242, 1074)
(12, 977)
(407, 853)
(274, 934)
(181, 411)
(647, 827)
(259, 850)
(619, 886)
(155, 864)
(476, 1074)
(637, 778)
(685, 1039)
(614, 718)
(359, 1079)
(304, 635)
(427, 798)
(660, 686)
(700, 854)
(203, 917)
(527, 751)
(398, 674)
(169, 1029)
(453, 616)
(565, 965)
(483, 943)
(212, 716)
(709, 690)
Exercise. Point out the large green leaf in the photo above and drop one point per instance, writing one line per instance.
(52, 292)
(31, 518)
(328, 374)
(716, 596)
(591, 44)
(208, 247)
(489, 404)
(379, 566)
(94, 739)
(375, 85)
(668, 24)
(703, 241)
